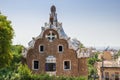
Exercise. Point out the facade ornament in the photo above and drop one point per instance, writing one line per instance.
(53, 16)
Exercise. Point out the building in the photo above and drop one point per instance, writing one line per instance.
(110, 70)
(54, 53)
(118, 60)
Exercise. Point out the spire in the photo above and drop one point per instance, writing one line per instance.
(53, 9)
(53, 16)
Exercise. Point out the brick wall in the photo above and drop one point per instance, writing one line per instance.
(78, 66)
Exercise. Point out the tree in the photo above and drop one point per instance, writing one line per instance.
(6, 36)
(17, 53)
(82, 46)
(11, 72)
(91, 68)
(117, 55)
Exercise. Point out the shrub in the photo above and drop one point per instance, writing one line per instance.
(24, 72)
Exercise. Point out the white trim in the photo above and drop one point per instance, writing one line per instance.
(43, 48)
(33, 64)
(62, 48)
(50, 59)
(70, 65)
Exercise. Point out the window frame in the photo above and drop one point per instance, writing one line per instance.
(40, 48)
(59, 49)
(33, 64)
(64, 65)
(48, 65)
(107, 75)
(116, 75)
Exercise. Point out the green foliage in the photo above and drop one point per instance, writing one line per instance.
(24, 72)
(16, 51)
(72, 78)
(91, 61)
(11, 72)
(6, 36)
(82, 46)
(7, 72)
(81, 78)
(21, 73)
(117, 55)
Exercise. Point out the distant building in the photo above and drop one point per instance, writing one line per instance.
(111, 70)
(118, 60)
(107, 55)
(53, 52)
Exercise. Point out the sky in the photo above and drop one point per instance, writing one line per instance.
(94, 23)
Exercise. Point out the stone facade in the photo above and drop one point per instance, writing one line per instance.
(111, 73)
(54, 53)
(110, 70)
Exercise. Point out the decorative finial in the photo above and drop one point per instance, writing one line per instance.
(53, 9)
(53, 16)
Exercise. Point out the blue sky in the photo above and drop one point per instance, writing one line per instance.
(93, 22)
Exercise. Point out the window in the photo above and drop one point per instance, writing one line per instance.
(50, 63)
(51, 36)
(116, 75)
(60, 48)
(106, 75)
(35, 65)
(41, 48)
(50, 67)
(67, 65)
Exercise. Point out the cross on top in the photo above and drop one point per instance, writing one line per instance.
(51, 36)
